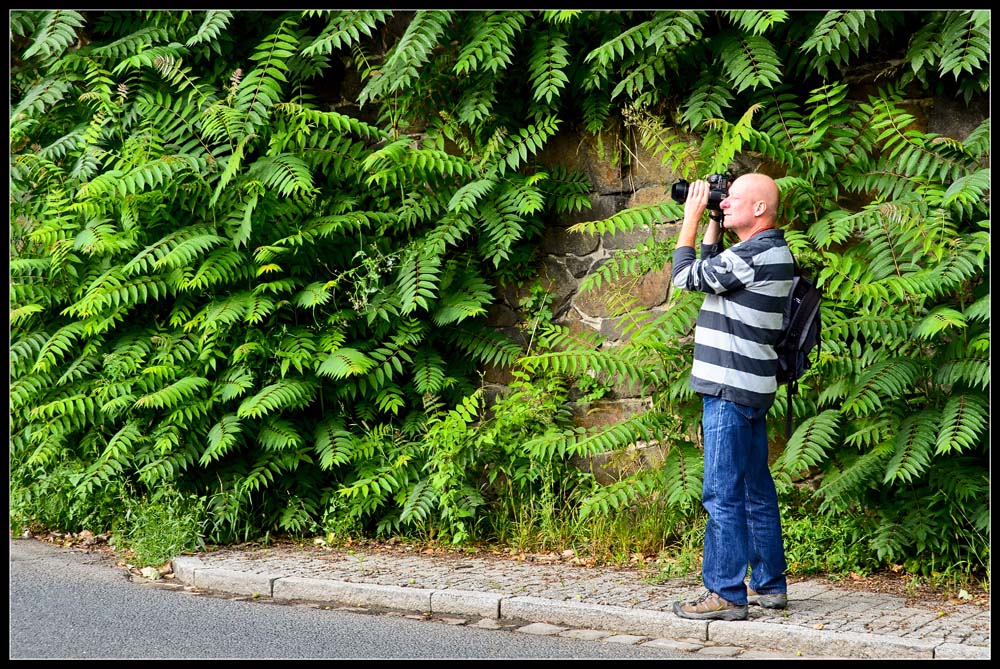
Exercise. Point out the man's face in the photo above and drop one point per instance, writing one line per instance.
(738, 206)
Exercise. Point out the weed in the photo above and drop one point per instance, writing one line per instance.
(157, 528)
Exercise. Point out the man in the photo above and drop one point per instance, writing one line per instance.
(734, 369)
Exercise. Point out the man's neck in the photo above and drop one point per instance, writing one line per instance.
(758, 227)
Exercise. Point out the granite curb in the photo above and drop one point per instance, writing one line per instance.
(822, 622)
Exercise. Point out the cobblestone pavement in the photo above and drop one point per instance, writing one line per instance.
(622, 605)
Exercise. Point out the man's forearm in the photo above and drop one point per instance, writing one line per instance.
(689, 230)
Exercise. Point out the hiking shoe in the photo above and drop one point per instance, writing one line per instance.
(710, 606)
(778, 600)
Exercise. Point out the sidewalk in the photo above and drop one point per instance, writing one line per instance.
(619, 605)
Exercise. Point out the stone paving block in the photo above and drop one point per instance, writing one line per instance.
(954, 651)
(800, 591)
(627, 639)
(720, 651)
(543, 629)
(453, 621)
(487, 624)
(816, 642)
(762, 654)
(675, 644)
(586, 634)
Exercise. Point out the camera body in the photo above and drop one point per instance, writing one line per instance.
(718, 190)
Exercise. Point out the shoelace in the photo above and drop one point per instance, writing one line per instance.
(707, 594)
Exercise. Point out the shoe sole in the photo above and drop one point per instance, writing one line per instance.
(768, 601)
(738, 613)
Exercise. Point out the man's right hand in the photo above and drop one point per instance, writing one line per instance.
(697, 200)
(694, 207)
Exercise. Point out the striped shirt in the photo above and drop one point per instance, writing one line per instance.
(746, 288)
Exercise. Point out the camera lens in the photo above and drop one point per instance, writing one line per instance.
(679, 191)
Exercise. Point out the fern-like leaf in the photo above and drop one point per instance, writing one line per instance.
(529, 141)
(941, 319)
(885, 381)
(840, 487)
(333, 444)
(965, 42)
(211, 28)
(811, 441)
(629, 220)
(173, 395)
(419, 274)
(278, 434)
(234, 383)
(428, 371)
(36, 101)
(547, 65)
(411, 52)
(420, 502)
(492, 46)
(315, 294)
(609, 499)
(467, 197)
(913, 449)
(344, 29)
(284, 394)
(55, 34)
(757, 21)
(964, 420)
(260, 89)
(751, 62)
(221, 438)
(58, 346)
(345, 362)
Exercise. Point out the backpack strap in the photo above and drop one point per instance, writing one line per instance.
(792, 387)
(792, 383)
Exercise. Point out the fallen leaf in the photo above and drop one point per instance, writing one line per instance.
(152, 573)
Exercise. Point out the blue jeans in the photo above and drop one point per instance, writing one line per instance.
(738, 493)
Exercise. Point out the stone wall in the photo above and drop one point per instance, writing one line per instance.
(567, 258)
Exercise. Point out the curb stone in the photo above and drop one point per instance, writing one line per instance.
(822, 621)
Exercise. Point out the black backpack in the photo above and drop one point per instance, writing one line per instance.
(800, 334)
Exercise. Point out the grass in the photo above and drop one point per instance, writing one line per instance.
(155, 530)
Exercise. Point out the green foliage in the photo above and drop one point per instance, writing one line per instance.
(253, 255)
(48, 497)
(156, 529)
(831, 546)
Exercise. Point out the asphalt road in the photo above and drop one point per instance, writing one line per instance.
(66, 603)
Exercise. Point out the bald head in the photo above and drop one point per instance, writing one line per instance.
(763, 188)
(752, 204)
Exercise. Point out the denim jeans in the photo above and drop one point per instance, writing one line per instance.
(738, 493)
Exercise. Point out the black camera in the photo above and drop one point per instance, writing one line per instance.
(718, 190)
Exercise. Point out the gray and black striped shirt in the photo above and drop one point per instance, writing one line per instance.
(746, 288)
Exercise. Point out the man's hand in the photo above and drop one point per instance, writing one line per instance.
(697, 200)
(694, 208)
